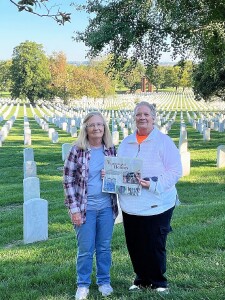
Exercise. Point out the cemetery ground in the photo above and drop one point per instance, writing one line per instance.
(46, 270)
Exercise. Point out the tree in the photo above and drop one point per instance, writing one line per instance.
(186, 74)
(91, 82)
(156, 75)
(209, 83)
(5, 81)
(59, 75)
(29, 71)
(131, 77)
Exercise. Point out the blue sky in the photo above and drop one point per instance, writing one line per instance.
(18, 27)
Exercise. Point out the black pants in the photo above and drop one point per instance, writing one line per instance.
(146, 243)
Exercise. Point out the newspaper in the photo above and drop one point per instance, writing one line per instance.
(121, 175)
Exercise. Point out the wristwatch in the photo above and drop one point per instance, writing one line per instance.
(154, 178)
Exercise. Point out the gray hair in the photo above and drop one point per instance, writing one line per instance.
(152, 108)
(82, 140)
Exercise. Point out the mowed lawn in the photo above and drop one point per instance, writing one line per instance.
(46, 270)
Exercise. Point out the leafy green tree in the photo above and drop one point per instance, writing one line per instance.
(171, 78)
(131, 76)
(186, 74)
(209, 83)
(29, 71)
(5, 80)
(156, 75)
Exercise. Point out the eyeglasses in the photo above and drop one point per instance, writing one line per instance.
(92, 125)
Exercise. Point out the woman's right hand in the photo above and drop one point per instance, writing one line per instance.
(76, 218)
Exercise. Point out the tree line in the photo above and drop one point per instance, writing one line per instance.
(30, 74)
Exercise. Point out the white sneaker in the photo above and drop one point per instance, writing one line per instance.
(105, 289)
(162, 290)
(134, 288)
(82, 293)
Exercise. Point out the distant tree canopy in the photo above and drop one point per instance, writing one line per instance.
(5, 78)
(30, 73)
(179, 75)
(142, 30)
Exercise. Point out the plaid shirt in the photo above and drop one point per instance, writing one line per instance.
(75, 179)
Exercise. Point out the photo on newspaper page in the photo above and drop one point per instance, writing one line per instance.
(121, 175)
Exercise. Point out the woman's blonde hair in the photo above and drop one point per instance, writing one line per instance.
(150, 106)
(82, 140)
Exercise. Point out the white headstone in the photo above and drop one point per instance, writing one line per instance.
(35, 220)
(221, 156)
(115, 137)
(28, 154)
(31, 188)
(50, 132)
(186, 163)
(73, 131)
(125, 132)
(30, 169)
(206, 134)
(65, 150)
(27, 137)
(55, 137)
(64, 126)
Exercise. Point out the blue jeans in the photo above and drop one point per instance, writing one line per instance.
(95, 236)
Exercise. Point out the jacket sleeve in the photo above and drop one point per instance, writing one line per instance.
(69, 181)
(172, 168)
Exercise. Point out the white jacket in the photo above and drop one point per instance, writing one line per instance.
(162, 164)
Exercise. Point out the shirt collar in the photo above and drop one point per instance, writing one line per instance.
(151, 136)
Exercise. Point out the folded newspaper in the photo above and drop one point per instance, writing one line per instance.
(122, 175)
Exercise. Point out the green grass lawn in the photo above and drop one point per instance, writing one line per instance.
(46, 270)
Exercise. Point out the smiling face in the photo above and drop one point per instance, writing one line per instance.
(95, 130)
(144, 120)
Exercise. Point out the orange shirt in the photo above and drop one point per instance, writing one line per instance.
(140, 138)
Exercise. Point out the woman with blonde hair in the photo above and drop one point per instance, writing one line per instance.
(92, 211)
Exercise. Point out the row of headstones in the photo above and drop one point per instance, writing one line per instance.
(162, 100)
(52, 133)
(3, 107)
(120, 119)
(205, 123)
(185, 154)
(35, 209)
(204, 126)
(62, 122)
(6, 113)
(8, 125)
